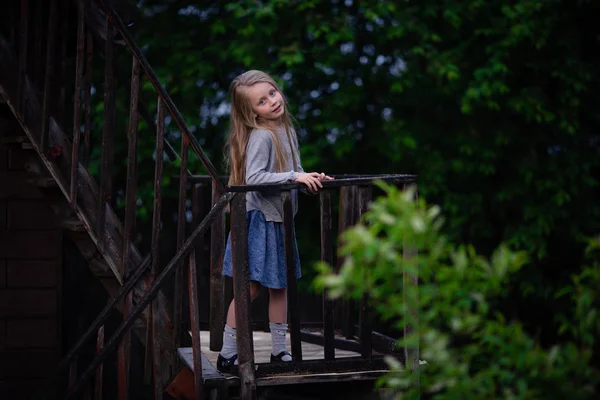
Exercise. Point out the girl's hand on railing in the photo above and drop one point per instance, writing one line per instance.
(324, 177)
(312, 180)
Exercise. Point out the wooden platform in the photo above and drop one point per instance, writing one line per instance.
(262, 349)
(311, 353)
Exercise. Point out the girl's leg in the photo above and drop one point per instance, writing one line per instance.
(229, 348)
(278, 324)
(278, 305)
(254, 292)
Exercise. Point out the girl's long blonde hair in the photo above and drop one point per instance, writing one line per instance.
(242, 122)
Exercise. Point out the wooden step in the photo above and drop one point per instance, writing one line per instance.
(14, 139)
(210, 374)
(21, 141)
(43, 182)
(72, 224)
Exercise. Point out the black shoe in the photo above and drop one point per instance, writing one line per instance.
(227, 365)
(278, 357)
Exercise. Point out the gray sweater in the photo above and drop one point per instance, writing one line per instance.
(261, 169)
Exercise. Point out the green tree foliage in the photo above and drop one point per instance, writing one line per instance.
(472, 350)
(491, 103)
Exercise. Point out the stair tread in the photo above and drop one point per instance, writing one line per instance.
(14, 139)
(43, 182)
(209, 372)
(72, 224)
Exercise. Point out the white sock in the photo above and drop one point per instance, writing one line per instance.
(229, 348)
(278, 332)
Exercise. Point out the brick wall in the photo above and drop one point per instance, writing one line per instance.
(30, 267)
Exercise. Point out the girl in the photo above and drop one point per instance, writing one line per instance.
(262, 148)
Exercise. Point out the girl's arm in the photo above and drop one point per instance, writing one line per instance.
(257, 160)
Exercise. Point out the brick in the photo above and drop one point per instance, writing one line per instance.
(28, 303)
(29, 214)
(31, 274)
(15, 186)
(28, 363)
(16, 160)
(3, 207)
(31, 333)
(22, 389)
(3, 269)
(37, 245)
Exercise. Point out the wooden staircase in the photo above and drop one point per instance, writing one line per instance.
(89, 220)
(84, 210)
(57, 157)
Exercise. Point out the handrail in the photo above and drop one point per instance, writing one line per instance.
(337, 183)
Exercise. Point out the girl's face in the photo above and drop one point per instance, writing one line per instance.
(266, 101)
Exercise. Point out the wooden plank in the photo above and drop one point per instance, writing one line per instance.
(124, 352)
(381, 343)
(71, 224)
(22, 66)
(30, 214)
(262, 349)
(30, 244)
(51, 84)
(37, 43)
(337, 183)
(28, 303)
(100, 371)
(31, 274)
(161, 372)
(366, 328)
(327, 377)
(347, 205)
(32, 333)
(292, 286)
(213, 377)
(327, 256)
(411, 280)
(179, 290)
(209, 372)
(87, 90)
(241, 283)
(195, 325)
(77, 104)
(217, 295)
(108, 134)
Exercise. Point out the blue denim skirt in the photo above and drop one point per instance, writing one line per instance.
(266, 252)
